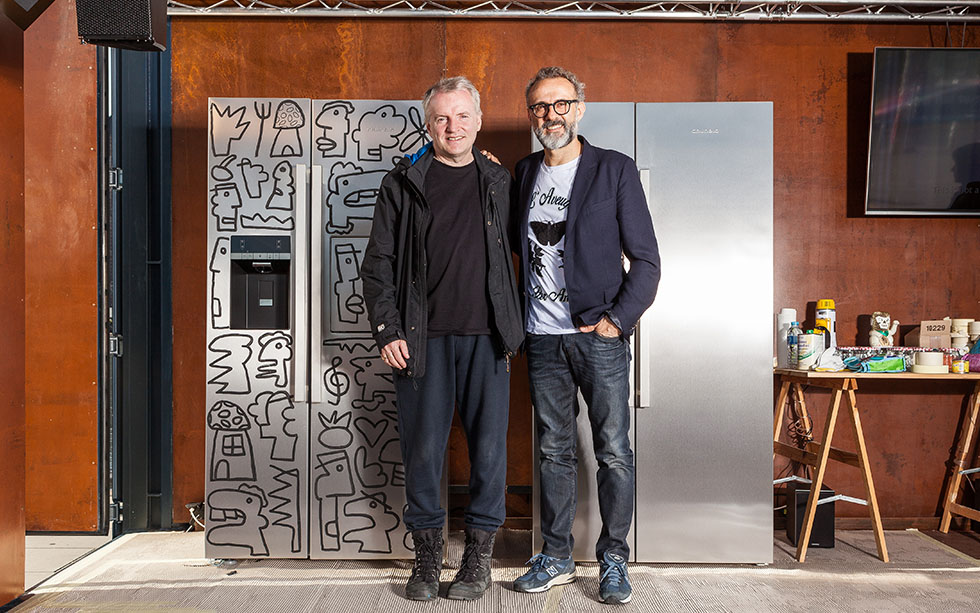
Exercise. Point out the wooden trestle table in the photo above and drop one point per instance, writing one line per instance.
(816, 454)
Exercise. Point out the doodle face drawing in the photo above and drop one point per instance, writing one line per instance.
(275, 352)
(350, 302)
(373, 378)
(231, 363)
(333, 481)
(334, 124)
(235, 519)
(287, 123)
(283, 188)
(352, 194)
(232, 457)
(226, 126)
(275, 414)
(219, 269)
(225, 202)
(371, 523)
(376, 131)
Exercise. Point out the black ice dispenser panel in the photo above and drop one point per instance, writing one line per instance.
(260, 282)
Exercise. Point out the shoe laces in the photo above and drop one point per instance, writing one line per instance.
(539, 561)
(426, 557)
(470, 565)
(615, 573)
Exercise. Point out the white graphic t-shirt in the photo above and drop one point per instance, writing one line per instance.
(547, 213)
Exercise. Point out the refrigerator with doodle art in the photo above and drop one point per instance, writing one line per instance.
(303, 457)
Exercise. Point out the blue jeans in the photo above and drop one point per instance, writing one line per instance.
(559, 366)
(468, 372)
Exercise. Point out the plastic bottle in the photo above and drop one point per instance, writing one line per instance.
(827, 318)
(793, 341)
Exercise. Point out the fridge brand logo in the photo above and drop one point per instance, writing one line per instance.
(705, 131)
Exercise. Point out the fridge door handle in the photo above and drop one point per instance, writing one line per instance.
(642, 363)
(301, 276)
(316, 280)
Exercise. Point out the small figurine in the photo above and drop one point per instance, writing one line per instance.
(883, 329)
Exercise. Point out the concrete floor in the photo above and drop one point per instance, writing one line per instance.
(167, 572)
(48, 553)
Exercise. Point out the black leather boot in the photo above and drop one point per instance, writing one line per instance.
(473, 577)
(424, 582)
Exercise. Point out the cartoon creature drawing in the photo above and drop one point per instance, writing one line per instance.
(232, 457)
(275, 414)
(883, 329)
(334, 124)
(350, 302)
(275, 352)
(336, 432)
(371, 522)
(218, 267)
(226, 126)
(417, 134)
(336, 381)
(378, 130)
(231, 362)
(374, 380)
(225, 202)
(334, 479)
(287, 509)
(352, 194)
(289, 119)
(254, 176)
(235, 519)
(283, 188)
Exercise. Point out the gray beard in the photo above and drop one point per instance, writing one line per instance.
(556, 141)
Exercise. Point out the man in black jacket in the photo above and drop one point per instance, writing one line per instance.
(581, 208)
(442, 300)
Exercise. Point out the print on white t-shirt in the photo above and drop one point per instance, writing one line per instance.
(547, 215)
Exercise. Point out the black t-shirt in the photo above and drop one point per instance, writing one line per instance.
(457, 252)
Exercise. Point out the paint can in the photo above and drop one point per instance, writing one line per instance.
(810, 348)
(960, 367)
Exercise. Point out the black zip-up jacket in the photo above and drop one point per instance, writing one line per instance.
(393, 273)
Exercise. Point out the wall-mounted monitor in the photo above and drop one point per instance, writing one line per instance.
(924, 156)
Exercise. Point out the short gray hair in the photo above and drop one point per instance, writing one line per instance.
(450, 84)
(556, 72)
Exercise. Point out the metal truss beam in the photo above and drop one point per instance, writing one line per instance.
(909, 11)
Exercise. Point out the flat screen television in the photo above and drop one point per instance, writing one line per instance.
(924, 155)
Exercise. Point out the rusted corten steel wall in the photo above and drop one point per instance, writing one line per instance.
(61, 244)
(11, 310)
(818, 77)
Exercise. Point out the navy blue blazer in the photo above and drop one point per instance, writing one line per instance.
(607, 217)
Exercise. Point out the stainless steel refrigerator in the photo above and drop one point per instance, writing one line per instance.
(702, 354)
(303, 457)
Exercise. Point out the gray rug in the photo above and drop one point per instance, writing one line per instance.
(165, 572)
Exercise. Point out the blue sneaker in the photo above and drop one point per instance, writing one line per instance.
(546, 572)
(614, 581)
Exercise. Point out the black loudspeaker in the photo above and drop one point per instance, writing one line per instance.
(822, 533)
(140, 25)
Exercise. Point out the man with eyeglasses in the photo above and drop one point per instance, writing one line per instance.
(582, 208)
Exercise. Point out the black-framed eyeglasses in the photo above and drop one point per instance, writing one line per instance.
(561, 107)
